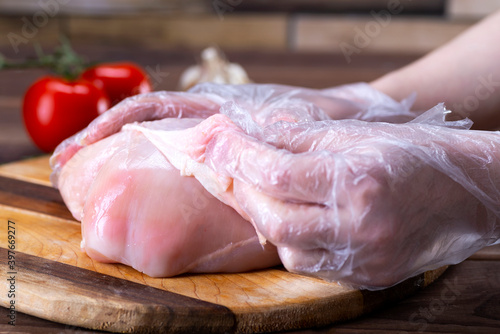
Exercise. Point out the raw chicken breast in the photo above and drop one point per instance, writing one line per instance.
(137, 209)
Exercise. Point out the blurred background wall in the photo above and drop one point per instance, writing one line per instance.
(293, 25)
(312, 43)
(330, 41)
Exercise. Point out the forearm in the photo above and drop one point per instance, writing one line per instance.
(464, 73)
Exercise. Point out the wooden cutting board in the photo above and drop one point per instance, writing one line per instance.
(55, 280)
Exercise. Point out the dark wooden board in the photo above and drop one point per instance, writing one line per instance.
(58, 282)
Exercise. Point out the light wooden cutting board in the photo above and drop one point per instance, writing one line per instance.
(55, 280)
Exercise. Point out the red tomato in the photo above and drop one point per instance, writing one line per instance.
(118, 80)
(55, 109)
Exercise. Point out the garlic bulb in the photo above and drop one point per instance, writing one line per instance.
(213, 68)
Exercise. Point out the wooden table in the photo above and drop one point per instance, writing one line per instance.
(465, 299)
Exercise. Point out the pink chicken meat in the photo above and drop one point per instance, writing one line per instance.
(182, 228)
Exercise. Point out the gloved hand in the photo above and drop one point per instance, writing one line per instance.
(265, 104)
(368, 204)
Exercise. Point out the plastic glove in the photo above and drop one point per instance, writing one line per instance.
(366, 204)
(266, 104)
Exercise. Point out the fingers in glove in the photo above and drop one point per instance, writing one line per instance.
(138, 108)
(305, 226)
(305, 177)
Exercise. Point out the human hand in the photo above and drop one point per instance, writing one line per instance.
(366, 204)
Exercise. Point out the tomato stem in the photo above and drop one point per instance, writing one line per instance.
(64, 61)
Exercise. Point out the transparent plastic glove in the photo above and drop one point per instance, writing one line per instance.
(365, 204)
(265, 104)
(268, 103)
